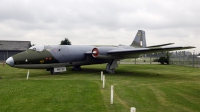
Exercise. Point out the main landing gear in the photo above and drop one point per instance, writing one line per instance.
(110, 67)
(76, 68)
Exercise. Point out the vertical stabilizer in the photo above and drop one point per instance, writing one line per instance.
(140, 39)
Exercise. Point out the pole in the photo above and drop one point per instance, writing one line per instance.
(104, 81)
(150, 58)
(7, 54)
(133, 109)
(101, 75)
(184, 59)
(27, 75)
(193, 60)
(135, 60)
(4, 62)
(111, 94)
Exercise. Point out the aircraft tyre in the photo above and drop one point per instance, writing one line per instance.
(76, 68)
(53, 72)
(108, 68)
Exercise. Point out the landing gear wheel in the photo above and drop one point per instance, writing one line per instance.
(76, 68)
(52, 71)
(108, 68)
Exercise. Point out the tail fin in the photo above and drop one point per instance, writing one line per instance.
(140, 39)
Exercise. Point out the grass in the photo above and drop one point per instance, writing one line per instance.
(147, 87)
(47, 95)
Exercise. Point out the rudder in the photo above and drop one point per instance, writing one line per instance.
(140, 39)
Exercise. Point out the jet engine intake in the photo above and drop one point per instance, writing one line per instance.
(102, 53)
(95, 52)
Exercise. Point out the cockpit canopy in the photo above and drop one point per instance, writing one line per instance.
(39, 48)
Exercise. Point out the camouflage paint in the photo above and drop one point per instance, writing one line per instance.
(34, 57)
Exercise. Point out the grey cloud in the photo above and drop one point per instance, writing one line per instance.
(98, 19)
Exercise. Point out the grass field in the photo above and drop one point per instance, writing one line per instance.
(154, 88)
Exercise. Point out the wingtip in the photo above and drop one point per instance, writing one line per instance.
(189, 47)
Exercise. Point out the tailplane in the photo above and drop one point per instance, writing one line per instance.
(140, 39)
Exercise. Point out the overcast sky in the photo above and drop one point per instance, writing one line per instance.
(96, 22)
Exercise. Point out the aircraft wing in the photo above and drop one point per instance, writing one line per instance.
(131, 53)
(147, 50)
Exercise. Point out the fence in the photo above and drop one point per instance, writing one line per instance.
(175, 59)
(190, 60)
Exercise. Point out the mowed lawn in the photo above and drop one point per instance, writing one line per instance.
(152, 88)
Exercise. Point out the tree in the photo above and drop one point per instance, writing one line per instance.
(65, 42)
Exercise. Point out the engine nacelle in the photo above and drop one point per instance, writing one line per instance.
(101, 52)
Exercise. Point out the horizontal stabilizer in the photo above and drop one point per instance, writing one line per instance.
(160, 45)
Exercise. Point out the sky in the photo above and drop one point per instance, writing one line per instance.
(101, 22)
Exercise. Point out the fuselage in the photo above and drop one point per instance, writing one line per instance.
(50, 56)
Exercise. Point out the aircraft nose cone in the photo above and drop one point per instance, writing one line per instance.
(10, 61)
